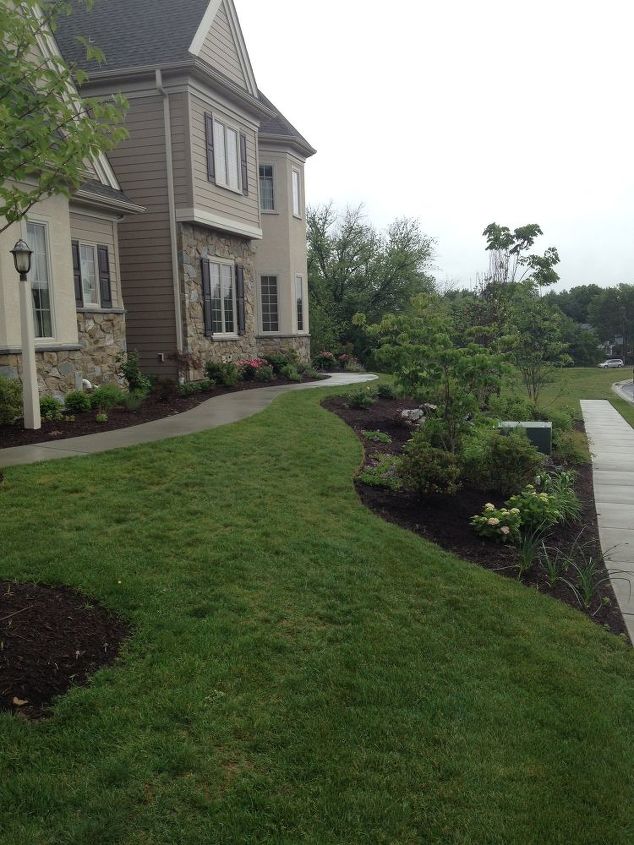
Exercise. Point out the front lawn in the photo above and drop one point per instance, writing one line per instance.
(300, 671)
(571, 385)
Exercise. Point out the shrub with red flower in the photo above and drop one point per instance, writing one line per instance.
(249, 366)
(325, 361)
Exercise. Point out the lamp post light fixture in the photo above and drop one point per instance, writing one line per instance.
(30, 393)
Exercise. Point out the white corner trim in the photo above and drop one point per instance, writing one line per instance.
(205, 25)
(217, 221)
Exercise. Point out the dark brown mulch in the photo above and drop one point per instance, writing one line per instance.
(51, 639)
(161, 403)
(445, 520)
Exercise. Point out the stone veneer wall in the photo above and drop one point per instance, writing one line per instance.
(272, 344)
(195, 243)
(101, 340)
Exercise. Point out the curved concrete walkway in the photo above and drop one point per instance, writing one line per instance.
(612, 447)
(221, 410)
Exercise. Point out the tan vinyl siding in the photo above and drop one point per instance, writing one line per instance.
(144, 241)
(181, 150)
(207, 195)
(220, 50)
(98, 231)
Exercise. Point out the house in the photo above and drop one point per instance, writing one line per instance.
(78, 310)
(216, 268)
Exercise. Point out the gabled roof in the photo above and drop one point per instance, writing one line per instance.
(132, 33)
(278, 128)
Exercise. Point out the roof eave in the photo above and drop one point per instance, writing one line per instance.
(123, 206)
(289, 141)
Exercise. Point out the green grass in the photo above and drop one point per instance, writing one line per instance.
(571, 385)
(301, 671)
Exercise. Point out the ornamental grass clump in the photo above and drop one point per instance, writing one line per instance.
(499, 524)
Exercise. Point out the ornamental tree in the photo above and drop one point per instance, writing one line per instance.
(47, 134)
(419, 348)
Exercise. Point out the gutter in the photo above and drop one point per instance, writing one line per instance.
(107, 202)
(172, 208)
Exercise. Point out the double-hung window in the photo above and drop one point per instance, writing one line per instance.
(227, 153)
(89, 278)
(223, 298)
(267, 190)
(269, 304)
(297, 201)
(40, 281)
(91, 270)
(299, 300)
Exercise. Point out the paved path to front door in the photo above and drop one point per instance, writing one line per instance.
(215, 412)
(612, 447)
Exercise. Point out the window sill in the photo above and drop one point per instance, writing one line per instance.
(96, 309)
(236, 191)
(270, 211)
(297, 217)
(218, 338)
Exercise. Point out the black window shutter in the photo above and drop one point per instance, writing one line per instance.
(105, 287)
(209, 141)
(240, 300)
(207, 298)
(79, 293)
(244, 166)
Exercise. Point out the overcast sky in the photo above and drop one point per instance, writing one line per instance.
(464, 112)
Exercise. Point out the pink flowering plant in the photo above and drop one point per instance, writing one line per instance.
(499, 524)
(249, 367)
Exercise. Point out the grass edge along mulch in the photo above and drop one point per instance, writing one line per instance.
(300, 670)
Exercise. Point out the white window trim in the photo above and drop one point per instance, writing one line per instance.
(96, 254)
(40, 221)
(261, 309)
(273, 210)
(226, 125)
(213, 259)
(298, 215)
(303, 292)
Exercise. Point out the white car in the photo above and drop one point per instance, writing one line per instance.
(612, 363)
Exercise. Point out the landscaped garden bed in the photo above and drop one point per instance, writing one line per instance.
(51, 639)
(446, 519)
(110, 407)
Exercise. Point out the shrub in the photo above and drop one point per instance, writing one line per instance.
(499, 524)
(361, 398)
(290, 372)
(311, 374)
(77, 402)
(193, 388)
(383, 472)
(513, 408)
(10, 400)
(226, 374)
(106, 397)
(387, 391)
(277, 361)
(129, 369)
(101, 417)
(264, 374)
(429, 471)
(248, 367)
(325, 361)
(51, 408)
(134, 399)
(377, 437)
(502, 462)
(538, 511)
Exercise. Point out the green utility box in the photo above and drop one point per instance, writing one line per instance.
(539, 433)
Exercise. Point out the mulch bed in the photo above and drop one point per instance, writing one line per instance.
(444, 520)
(163, 402)
(51, 639)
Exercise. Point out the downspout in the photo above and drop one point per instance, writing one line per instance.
(172, 209)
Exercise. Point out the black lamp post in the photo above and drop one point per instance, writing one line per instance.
(22, 253)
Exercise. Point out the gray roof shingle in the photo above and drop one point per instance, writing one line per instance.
(131, 33)
(279, 125)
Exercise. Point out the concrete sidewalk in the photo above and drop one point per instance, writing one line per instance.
(221, 410)
(612, 447)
